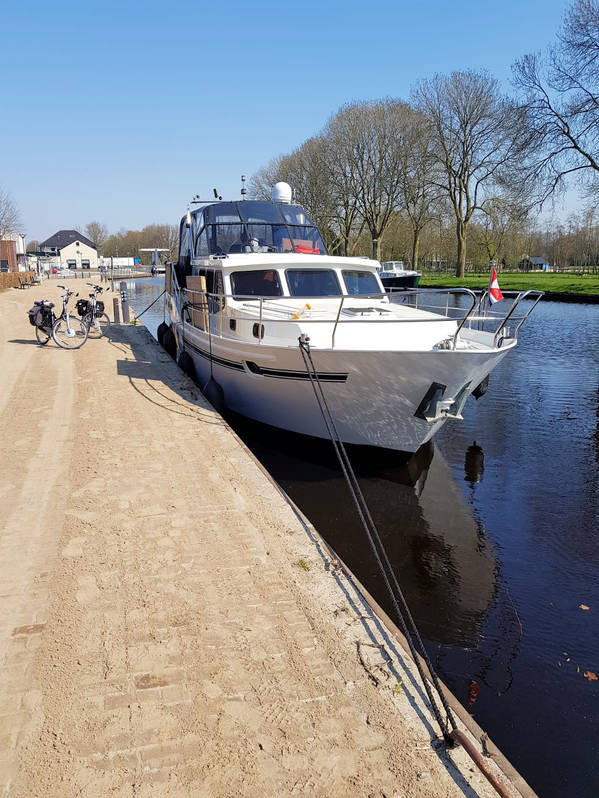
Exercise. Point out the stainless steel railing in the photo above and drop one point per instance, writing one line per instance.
(462, 315)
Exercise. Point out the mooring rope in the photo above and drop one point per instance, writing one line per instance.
(400, 605)
(138, 315)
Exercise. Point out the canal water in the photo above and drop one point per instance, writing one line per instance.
(494, 534)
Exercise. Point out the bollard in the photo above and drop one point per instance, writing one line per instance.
(125, 307)
(124, 302)
(117, 314)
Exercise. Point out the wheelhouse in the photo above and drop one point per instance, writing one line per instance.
(248, 226)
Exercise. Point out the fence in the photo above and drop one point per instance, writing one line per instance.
(11, 279)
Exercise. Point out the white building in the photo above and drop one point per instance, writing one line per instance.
(71, 250)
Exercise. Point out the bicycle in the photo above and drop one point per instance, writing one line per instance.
(67, 331)
(92, 313)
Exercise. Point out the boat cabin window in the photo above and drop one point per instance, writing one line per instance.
(312, 282)
(357, 282)
(258, 282)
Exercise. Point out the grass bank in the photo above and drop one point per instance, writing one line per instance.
(585, 285)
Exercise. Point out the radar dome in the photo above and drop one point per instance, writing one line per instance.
(281, 192)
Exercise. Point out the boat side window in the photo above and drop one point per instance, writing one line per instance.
(201, 247)
(357, 282)
(258, 282)
(312, 282)
(185, 245)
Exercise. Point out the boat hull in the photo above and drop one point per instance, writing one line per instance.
(401, 281)
(374, 396)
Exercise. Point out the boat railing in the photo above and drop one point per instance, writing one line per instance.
(460, 305)
(484, 313)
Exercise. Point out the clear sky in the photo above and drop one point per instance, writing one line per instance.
(121, 111)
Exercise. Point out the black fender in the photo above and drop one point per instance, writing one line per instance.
(162, 328)
(169, 343)
(185, 362)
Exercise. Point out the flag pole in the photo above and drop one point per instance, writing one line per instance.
(488, 302)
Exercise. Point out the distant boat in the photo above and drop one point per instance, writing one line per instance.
(394, 275)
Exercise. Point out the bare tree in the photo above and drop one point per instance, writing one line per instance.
(306, 171)
(561, 97)
(10, 218)
(97, 232)
(476, 134)
(127, 243)
(346, 220)
(373, 151)
(261, 182)
(501, 217)
(162, 236)
(419, 193)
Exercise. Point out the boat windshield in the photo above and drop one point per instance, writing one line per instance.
(357, 283)
(253, 226)
(312, 282)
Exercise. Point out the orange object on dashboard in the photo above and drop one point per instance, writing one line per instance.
(306, 250)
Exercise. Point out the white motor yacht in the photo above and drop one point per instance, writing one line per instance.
(393, 274)
(253, 277)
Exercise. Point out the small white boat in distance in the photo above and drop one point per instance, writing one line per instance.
(252, 277)
(394, 275)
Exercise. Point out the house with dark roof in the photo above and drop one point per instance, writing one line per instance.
(70, 249)
(528, 264)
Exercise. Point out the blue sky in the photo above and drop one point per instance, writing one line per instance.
(120, 112)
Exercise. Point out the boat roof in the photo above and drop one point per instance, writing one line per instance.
(265, 260)
(253, 212)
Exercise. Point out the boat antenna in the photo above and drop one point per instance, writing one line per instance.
(243, 188)
(216, 194)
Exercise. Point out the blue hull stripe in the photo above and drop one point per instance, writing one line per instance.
(280, 374)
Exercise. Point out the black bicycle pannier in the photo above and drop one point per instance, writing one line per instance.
(35, 315)
(99, 308)
(82, 307)
(46, 317)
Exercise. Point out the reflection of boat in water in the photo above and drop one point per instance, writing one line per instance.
(253, 277)
(438, 549)
(394, 275)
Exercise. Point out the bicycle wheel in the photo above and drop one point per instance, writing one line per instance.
(42, 335)
(98, 327)
(71, 335)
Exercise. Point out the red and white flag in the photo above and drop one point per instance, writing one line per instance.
(495, 294)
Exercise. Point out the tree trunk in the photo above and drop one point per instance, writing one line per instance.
(376, 248)
(461, 238)
(415, 245)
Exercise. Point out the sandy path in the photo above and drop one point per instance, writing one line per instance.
(157, 636)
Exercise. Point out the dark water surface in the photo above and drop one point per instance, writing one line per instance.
(494, 535)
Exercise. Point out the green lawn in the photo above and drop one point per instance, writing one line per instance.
(510, 281)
